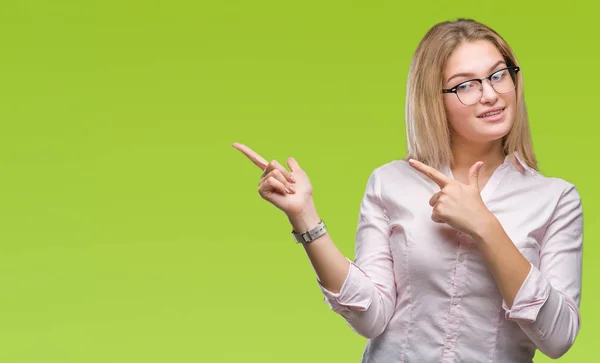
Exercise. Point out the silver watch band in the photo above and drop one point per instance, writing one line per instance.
(310, 235)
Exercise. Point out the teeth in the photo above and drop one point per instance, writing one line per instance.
(491, 113)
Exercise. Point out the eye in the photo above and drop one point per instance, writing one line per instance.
(498, 75)
(464, 87)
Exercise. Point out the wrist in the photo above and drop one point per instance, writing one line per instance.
(306, 219)
(486, 226)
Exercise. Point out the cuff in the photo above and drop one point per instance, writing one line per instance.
(352, 296)
(530, 298)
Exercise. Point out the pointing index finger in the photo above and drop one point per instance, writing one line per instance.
(438, 177)
(252, 155)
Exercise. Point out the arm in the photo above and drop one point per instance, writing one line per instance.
(545, 301)
(330, 265)
(369, 291)
(363, 291)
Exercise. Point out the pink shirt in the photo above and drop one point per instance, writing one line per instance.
(421, 292)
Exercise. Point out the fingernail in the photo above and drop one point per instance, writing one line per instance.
(292, 179)
(291, 187)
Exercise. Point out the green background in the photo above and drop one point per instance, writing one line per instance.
(131, 230)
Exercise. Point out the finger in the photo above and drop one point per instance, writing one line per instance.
(436, 219)
(252, 155)
(435, 216)
(272, 185)
(474, 174)
(438, 177)
(434, 199)
(292, 164)
(281, 178)
(274, 165)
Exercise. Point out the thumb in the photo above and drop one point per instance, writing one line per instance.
(293, 164)
(474, 174)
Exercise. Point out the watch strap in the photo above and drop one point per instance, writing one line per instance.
(310, 235)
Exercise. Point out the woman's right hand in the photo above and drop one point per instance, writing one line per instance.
(290, 191)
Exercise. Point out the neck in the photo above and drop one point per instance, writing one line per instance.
(468, 153)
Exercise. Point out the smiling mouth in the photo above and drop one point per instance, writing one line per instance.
(492, 114)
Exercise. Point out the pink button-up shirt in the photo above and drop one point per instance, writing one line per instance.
(421, 292)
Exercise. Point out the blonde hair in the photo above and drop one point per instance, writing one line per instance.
(427, 129)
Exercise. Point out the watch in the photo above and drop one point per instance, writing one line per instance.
(311, 234)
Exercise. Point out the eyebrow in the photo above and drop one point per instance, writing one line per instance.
(472, 74)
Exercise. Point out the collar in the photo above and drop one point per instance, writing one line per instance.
(511, 160)
(515, 160)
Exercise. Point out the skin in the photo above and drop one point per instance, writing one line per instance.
(329, 264)
(473, 139)
(477, 148)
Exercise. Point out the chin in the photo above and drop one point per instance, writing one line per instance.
(479, 131)
(493, 131)
(489, 137)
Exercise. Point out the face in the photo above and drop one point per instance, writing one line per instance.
(491, 117)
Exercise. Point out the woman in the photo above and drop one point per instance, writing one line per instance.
(464, 251)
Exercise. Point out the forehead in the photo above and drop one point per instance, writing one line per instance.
(472, 57)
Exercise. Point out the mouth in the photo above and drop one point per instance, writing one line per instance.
(494, 114)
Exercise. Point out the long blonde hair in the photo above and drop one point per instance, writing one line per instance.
(427, 129)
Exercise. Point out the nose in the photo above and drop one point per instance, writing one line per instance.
(488, 94)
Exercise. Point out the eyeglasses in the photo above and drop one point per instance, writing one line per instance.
(470, 92)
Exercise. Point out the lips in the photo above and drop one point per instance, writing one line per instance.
(491, 112)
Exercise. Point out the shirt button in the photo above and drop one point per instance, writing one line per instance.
(448, 346)
(454, 301)
(461, 258)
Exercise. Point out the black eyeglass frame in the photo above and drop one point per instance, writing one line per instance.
(480, 80)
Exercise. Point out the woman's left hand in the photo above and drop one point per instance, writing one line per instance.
(457, 204)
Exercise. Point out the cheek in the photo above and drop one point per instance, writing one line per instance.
(511, 103)
(458, 114)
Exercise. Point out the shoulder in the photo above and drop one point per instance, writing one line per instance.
(552, 192)
(537, 181)
(562, 201)
(397, 177)
(394, 170)
(555, 185)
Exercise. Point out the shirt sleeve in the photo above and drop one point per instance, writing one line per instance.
(367, 297)
(547, 304)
